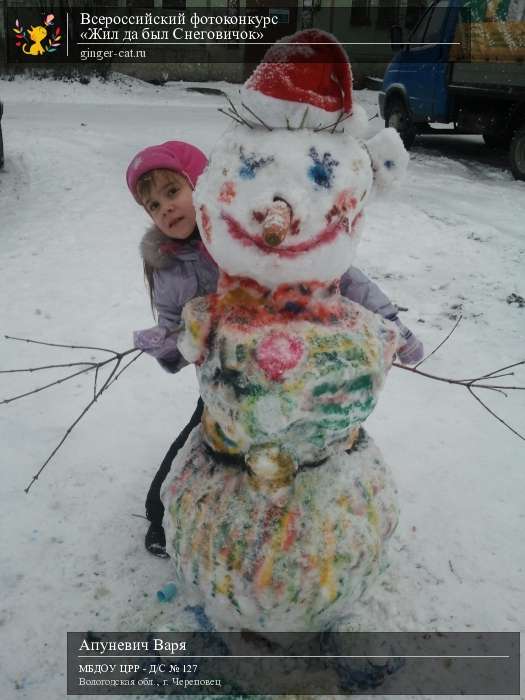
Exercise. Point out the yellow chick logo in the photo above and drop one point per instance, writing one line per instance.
(42, 41)
(36, 34)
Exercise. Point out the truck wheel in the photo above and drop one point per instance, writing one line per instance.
(398, 117)
(517, 154)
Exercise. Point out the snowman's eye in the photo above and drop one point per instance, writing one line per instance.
(251, 162)
(322, 170)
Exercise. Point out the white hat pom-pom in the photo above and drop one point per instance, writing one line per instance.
(389, 158)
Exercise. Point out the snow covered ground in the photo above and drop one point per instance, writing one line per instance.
(451, 242)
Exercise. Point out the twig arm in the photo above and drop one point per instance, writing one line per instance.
(47, 386)
(113, 376)
(495, 415)
(470, 385)
(58, 345)
(38, 369)
(440, 344)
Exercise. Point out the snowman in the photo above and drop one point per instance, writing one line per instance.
(279, 507)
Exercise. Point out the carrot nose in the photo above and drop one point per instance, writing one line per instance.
(277, 223)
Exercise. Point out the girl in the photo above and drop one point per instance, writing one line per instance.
(178, 268)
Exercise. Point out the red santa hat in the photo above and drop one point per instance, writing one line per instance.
(304, 81)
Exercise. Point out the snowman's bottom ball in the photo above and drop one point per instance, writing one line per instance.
(260, 566)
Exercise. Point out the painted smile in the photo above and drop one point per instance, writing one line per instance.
(327, 235)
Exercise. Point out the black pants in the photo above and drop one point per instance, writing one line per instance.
(154, 507)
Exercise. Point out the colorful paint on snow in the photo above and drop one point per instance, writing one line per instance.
(279, 526)
(294, 566)
(278, 508)
(316, 174)
(298, 368)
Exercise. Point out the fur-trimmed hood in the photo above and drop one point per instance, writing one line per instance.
(179, 271)
(160, 252)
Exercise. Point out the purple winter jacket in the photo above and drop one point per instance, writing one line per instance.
(190, 272)
(178, 277)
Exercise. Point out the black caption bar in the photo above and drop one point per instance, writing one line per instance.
(209, 35)
(293, 663)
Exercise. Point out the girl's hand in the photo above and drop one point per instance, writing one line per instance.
(411, 350)
(159, 342)
(150, 338)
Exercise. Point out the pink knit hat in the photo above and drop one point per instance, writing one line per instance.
(182, 157)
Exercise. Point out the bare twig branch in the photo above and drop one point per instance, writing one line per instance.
(237, 114)
(38, 369)
(256, 116)
(238, 117)
(495, 415)
(497, 390)
(339, 118)
(47, 386)
(498, 376)
(115, 362)
(471, 384)
(62, 441)
(233, 107)
(133, 359)
(58, 345)
(495, 374)
(110, 376)
(329, 126)
(502, 369)
(97, 366)
(95, 383)
(440, 344)
(230, 116)
(113, 376)
(219, 109)
(303, 120)
(461, 382)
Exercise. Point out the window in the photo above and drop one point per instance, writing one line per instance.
(387, 14)
(418, 33)
(414, 11)
(174, 4)
(433, 34)
(141, 3)
(360, 13)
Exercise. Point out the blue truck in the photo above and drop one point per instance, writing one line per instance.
(461, 67)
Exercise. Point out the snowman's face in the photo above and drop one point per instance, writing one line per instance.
(323, 177)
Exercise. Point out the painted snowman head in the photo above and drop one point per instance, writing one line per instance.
(283, 196)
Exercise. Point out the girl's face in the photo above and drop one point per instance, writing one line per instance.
(169, 202)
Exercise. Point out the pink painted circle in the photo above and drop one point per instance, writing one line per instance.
(279, 352)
